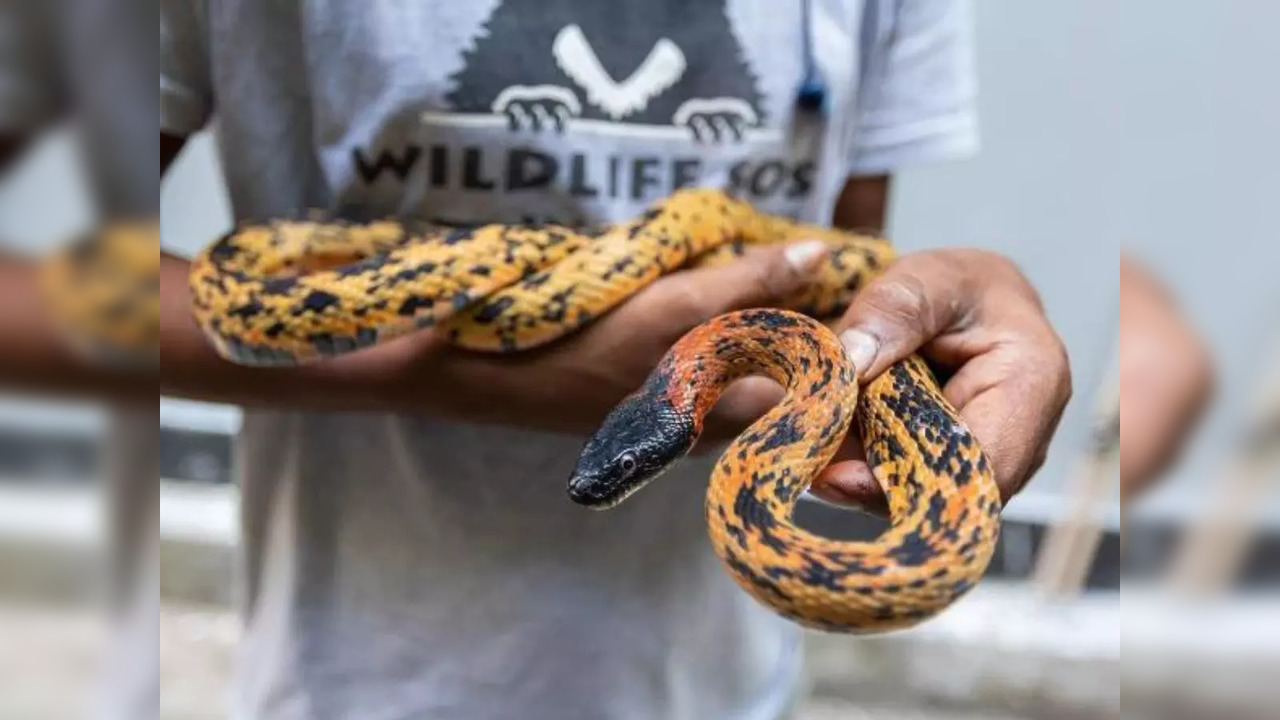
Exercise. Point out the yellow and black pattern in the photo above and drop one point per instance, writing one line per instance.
(102, 292)
(298, 291)
(293, 292)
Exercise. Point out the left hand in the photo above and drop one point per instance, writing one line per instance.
(977, 317)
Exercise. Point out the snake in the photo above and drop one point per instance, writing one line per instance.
(100, 293)
(293, 291)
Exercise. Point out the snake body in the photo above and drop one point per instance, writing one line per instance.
(101, 293)
(942, 499)
(290, 292)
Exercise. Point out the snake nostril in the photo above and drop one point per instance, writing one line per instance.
(580, 491)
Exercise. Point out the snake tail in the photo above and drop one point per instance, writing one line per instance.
(943, 501)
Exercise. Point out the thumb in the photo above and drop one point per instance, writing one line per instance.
(763, 276)
(914, 301)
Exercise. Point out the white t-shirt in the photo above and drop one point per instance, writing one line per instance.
(407, 567)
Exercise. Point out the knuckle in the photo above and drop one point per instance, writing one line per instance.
(689, 300)
(902, 302)
(761, 277)
(675, 298)
(978, 260)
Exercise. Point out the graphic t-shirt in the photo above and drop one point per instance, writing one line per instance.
(410, 567)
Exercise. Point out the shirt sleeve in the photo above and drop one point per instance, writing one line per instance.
(917, 92)
(32, 91)
(186, 97)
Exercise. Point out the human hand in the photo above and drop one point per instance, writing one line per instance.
(1166, 379)
(977, 318)
(570, 385)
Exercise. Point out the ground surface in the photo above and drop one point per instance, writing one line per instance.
(48, 658)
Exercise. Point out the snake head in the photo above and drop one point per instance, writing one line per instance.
(639, 440)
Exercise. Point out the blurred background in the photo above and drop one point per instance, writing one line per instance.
(1145, 125)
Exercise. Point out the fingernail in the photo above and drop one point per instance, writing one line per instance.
(860, 347)
(804, 256)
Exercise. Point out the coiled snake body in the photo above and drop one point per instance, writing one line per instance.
(291, 292)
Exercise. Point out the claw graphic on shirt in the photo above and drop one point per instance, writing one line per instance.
(544, 64)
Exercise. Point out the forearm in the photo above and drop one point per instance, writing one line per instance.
(191, 368)
(36, 357)
(863, 204)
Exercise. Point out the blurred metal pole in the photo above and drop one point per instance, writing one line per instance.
(1071, 543)
(130, 673)
(1212, 552)
(131, 473)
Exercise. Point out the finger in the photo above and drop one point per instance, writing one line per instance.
(742, 403)
(747, 399)
(762, 277)
(915, 300)
(849, 483)
(1012, 400)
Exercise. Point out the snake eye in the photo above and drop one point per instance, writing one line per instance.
(627, 462)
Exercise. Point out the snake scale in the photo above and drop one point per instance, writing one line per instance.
(288, 292)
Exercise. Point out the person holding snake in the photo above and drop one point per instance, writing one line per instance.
(421, 377)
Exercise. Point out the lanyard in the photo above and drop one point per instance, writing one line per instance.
(812, 94)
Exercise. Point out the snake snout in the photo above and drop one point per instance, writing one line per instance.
(590, 491)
